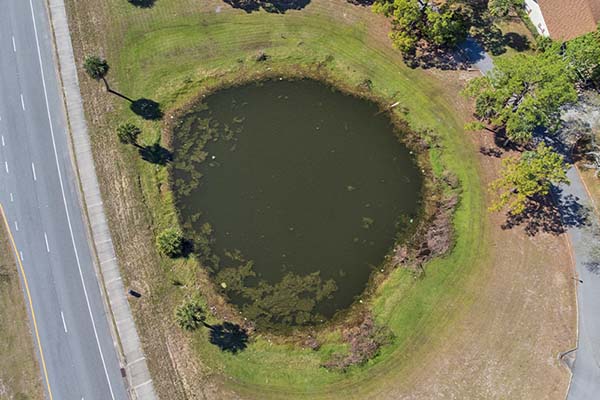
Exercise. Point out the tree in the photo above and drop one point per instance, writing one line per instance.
(524, 178)
(407, 19)
(446, 26)
(583, 57)
(96, 67)
(190, 315)
(501, 9)
(417, 23)
(170, 242)
(523, 92)
(128, 133)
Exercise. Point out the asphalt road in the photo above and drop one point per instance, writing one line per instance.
(39, 193)
(585, 383)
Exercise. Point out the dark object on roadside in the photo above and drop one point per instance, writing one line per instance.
(134, 293)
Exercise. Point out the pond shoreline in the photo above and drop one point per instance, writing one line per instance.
(433, 194)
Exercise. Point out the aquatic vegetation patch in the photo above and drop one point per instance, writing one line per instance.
(292, 194)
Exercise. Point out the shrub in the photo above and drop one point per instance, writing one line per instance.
(170, 242)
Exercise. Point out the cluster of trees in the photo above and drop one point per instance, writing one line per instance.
(430, 25)
(522, 92)
(526, 92)
(420, 23)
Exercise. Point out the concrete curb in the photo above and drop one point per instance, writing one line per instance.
(132, 355)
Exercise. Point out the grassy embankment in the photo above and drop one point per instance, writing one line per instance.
(169, 53)
(19, 372)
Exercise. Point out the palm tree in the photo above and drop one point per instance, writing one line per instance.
(97, 68)
(128, 133)
(190, 315)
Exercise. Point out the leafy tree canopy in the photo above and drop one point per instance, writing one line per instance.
(501, 9)
(170, 242)
(415, 22)
(446, 26)
(95, 67)
(526, 177)
(583, 57)
(523, 92)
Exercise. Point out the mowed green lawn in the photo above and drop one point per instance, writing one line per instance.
(172, 51)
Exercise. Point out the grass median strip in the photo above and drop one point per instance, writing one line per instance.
(19, 372)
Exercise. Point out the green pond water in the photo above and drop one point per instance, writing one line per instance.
(292, 193)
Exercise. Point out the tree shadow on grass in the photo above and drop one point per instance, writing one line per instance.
(490, 151)
(271, 6)
(516, 41)
(542, 214)
(156, 154)
(228, 337)
(142, 3)
(146, 108)
(361, 2)
(435, 57)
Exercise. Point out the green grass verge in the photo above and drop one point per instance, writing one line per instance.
(170, 52)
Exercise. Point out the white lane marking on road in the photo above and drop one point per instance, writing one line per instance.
(33, 170)
(11, 197)
(62, 189)
(21, 254)
(3, 144)
(14, 45)
(16, 226)
(46, 240)
(22, 102)
(6, 166)
(64, 323)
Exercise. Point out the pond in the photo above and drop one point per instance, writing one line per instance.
(293, 193)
